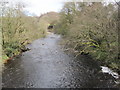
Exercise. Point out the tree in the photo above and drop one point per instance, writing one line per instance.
(92, 29)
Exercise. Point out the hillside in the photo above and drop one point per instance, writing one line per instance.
(47, 19)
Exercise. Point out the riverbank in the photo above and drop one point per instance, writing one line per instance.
(69, 47)
(90, 30)
(5, 58)
(104, 69)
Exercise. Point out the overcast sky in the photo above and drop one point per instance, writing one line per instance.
(42, 6)
(38, 7)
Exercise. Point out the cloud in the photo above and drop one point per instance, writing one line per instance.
(42, 6)
(38, 7)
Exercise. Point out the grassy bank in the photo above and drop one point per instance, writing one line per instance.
(91, 28)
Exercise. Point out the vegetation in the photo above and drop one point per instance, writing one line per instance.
(91, 28)
(18, 30)
(48, 19)
(88, 28)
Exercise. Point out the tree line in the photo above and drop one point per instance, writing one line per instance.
(91, 28)
(18, 29)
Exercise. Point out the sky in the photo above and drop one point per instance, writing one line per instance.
(38, 7)
(42, 6)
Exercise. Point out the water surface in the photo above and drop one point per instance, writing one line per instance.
(46, 65)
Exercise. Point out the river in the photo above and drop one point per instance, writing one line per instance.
(46, 65)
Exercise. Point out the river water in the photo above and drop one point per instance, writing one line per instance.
(46, 65)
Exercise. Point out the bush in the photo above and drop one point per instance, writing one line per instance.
(93, 30)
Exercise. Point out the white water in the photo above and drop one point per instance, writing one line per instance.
(109, 71)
